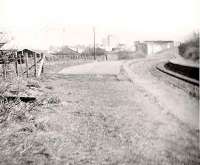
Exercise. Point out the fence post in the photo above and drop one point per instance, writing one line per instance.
(16, 64)
(42, 56)
(41, 65)
(4, 70)
(26, 56)
(106, 57)
(35, 63)
(20, 58)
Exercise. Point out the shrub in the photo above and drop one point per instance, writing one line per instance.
(33, 83)
(123, 55)
(54, 100)
(4, 86)
(90, 51)
(190, 48)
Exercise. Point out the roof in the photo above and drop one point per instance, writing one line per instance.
(66, 51)
(9, 46)
(159, 41)
(31, 50)
(3, 39)
(1, 44)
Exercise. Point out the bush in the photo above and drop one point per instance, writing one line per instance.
(90, 51)
(125, 55)
(33, 83)
(190, 48)
(54, 100)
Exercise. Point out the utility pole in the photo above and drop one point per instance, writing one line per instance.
(94, 44)
(108, 38)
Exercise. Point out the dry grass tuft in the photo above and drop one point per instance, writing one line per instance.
(49, 87)
(4, 86)
(33, 84)
(53, 100)
(16, 110)
(19, 143)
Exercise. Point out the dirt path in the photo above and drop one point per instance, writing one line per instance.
(108, 67)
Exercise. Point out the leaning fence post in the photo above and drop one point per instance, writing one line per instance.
(41, 65)
(26, 56)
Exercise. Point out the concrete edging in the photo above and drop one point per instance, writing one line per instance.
(161, 68)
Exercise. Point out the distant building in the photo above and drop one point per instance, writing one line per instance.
(109, 42)
(140, 47)
(78, 48)
(151, 47)
(65, 51)
(131, 47)
(156, 46)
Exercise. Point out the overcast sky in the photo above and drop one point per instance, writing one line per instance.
(40, 23)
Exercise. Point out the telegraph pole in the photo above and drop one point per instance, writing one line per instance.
(94, 43)
(108, 38)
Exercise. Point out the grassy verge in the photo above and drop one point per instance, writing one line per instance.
(21, 125)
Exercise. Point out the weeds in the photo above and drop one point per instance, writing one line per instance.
(49, 87)
(6, 108)
(4, 86)
(190, 48)
(33, 83)
(19, 143)
(53, 100)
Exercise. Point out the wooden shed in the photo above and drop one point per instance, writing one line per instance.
(30, 52)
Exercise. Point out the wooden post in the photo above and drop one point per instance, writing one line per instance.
(35, 64)
(41, 65)
(94, 44)
(26, 56)
(16, 64)
(42, 57)
(106, 57)
(4, 70)
(20, 59)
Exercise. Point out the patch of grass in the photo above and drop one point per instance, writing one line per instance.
(4, 86)
(18, 132)
(49, 87)
(190, 48)
(53, 100)
(16, 110)
(125, 55)
(48, 98)
(41, 125)
(33, 83)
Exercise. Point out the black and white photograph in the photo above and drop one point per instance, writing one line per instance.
(99, 82)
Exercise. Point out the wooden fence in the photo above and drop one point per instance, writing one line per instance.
(15, 64)
(23, 64)
(73, 57)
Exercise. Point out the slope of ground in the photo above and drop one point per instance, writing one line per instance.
(172, 94)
